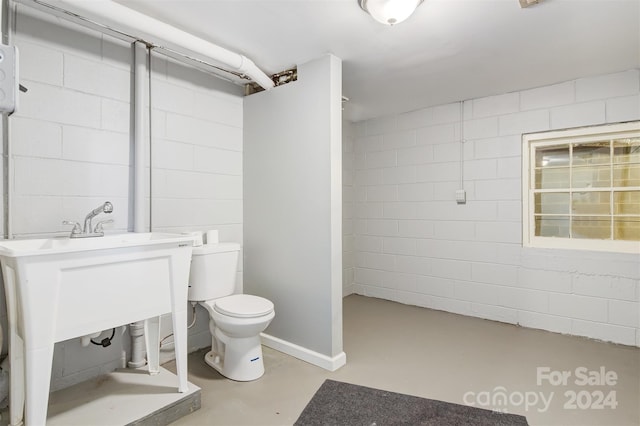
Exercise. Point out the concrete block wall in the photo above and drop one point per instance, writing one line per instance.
(197, 151)
(413, 243)
(348, 141)
(70, 135)
(196, 165)
(71, 150)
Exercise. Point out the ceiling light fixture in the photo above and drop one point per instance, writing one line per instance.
(389, 12)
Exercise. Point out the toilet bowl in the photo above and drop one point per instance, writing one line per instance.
(235, 320)
(235, 324)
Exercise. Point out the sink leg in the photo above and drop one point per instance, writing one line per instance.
(16, 349)
(16, 380)
(152, 341)
(38, 377)
(180, 347)
(179, 289)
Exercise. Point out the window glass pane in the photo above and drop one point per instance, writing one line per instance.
(591, 153)
(551, 178)
(591, 203)
(626, 228)
(584, 184)
(626, 202)
(552, 156)
(591, 227)
(626, 150)
(591, 177)
(626, 175)
(552, 203)
(554, 226)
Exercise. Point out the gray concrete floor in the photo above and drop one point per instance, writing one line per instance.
(441, 356)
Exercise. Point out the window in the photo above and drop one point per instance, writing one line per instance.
(581, 188)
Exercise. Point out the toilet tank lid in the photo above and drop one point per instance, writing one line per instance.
(216, 248)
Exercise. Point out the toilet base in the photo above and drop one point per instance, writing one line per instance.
(241, 360)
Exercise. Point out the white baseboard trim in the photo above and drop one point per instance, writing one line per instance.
(307, 355)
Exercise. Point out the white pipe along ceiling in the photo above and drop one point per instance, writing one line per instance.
(156, 33)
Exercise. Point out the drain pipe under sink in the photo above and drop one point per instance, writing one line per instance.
(136, 331)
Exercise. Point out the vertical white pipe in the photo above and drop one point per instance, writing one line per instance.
(7, 24)
(140, 135)
(462, 141)
(136, 331)
(140, 126)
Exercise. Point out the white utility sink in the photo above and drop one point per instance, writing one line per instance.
(61, 288)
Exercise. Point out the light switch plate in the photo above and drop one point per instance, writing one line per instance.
(461, 196)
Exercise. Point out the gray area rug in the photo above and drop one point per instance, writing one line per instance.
(338, 403)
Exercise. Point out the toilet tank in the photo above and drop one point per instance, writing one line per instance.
(213, 271)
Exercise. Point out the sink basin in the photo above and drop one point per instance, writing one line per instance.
(61, 288)
(31, 247)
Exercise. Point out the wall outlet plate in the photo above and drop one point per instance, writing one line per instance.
(461, 196)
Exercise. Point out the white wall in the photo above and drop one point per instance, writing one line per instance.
(348, 141)
(196, 158)
(293, 209)
(197, 151)
(70, 135)
(71, 151)
(415, 245)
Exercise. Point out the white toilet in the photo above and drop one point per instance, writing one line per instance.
(235, 320)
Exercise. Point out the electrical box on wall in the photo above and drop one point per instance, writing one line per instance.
(461, 196)
(8, 78)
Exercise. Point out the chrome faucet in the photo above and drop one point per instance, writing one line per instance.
(87, 231)
(107, 207)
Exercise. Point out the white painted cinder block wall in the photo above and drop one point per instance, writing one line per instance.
(348, 141)
(415, 245)
(196, 176)
(71, 151)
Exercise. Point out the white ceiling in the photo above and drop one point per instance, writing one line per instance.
(449, 50)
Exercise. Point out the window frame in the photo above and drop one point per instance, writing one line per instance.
(530, 142)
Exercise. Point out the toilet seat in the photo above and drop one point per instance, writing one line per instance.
(243, 306)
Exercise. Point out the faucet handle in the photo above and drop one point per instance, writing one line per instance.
(99, 226)
(77, 229)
